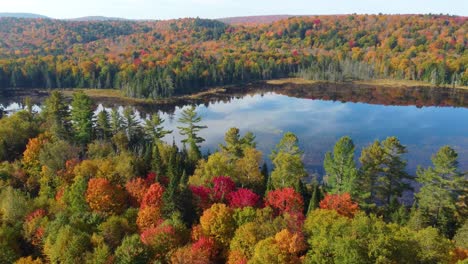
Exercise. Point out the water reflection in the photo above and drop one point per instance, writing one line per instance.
(424, 119)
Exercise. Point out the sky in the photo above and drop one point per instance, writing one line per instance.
(167, 9)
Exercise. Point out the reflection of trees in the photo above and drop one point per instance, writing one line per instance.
(357, 93)
(417, 96)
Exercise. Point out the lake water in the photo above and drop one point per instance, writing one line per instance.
(423, 119)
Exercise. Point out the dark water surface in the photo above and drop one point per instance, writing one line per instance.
(424, 119)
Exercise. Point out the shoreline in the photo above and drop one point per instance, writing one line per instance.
(116, 96)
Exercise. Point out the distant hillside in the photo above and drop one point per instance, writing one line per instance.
(154, 59)
(22, 15)
(97, 18)
(253, 19)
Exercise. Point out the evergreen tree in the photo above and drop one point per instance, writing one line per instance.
(156, 162)
(233, 145)
(440, 189)
(340, 168)
(81, 116)
(130, 123)
(249, 140)
(57, 115)
(314, 199)
(103, 128)
(116, 123)
(383, 176)
(27, 105)
(190, 119)
(154, 129)
(265, 174)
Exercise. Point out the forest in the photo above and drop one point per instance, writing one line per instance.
(84, 186)
(159, 59)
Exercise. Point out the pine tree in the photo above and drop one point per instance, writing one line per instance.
(130, 123)
(57, 115)
(81, 116)
(314, 199)
(383, 176)
(156, 162)
(154, 129)
(340, 168)
(190, 119)
(265, 173)
(116, 123)
(103, 128)
(233, 145)
(440, 190)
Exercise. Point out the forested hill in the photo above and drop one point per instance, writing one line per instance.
(21, 15)
(162, 58)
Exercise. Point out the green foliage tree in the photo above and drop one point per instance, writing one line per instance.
(82, 117)
(368, 239)
(130, 124)
(235, 144)
(288, 166)
(54, 154)
(190, 130)
(440, 189)
(15, 131)
(74, 196)
(340, 168)
(154, 128)
(132, 251)
(383, 178)
(103, 127)
(116, 122)
(461, 237)
(69, 245)
(9, 237)
(57, 115)
(13, 205)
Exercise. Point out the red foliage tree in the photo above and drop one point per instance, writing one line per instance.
(242, 198)
(219, 193)
(285, 200)
(202, 195)
(222, 187)
(161, 239)
(205, 246)
(341, 203)
(153, 196)
(151, 178)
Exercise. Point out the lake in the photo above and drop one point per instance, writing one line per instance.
(424, 119)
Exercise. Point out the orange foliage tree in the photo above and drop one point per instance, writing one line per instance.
(341, 203)
(102, 196)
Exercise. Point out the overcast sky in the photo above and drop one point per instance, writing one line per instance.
(165, 9)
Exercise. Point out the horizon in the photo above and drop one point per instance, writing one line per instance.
(225, 17)
(213, 9)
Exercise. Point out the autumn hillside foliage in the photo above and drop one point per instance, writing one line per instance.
(154, 59)
(117, 193)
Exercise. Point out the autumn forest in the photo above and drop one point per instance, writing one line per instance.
(84, 183)
(154, 59)
(83, 187)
